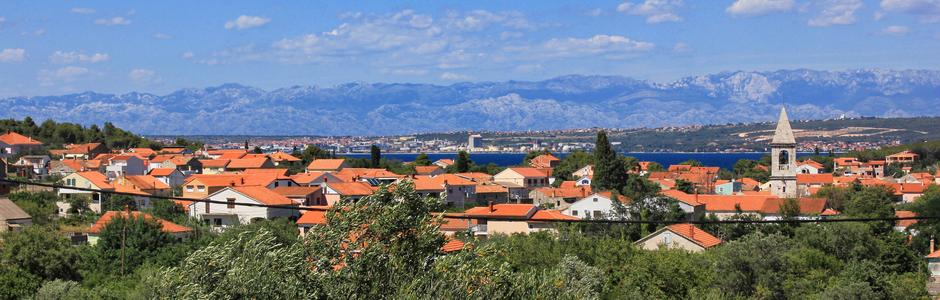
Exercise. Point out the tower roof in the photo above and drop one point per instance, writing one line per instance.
(783, 134)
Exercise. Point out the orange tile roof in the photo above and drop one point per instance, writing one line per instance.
(829, 212)
(491, 189)
(808, 206)
(749, 181)
(528, 171)
(306, 178)
(167, 226)
(352, 188)
(436, 183)
(476, 176)
(232, 155)
(97, 179)
(905, 214)
(935, 254)
(146, 152)
(452, 245)
(454, 224)
(13, 138)
(263, 179)
(679, 168)
(425, 170)
(162, 172)
(247, 163)
(296, 191)
(367, 173)
(812, 163)
(312, 217)
(146, 182)
(214, 163)
(445, 161)
(326, 164)
(173, 150)
(263, 195)
(81, 148)
(281, 156)
(575, 192)
(825, 178)
(543, 161)
(551, 215)
(568, 184)
(699, 236)
(521, 211)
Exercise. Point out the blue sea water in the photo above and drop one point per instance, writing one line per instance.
(723, 160)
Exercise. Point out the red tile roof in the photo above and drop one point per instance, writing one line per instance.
(426, 170)
(551, 215)
(543, 161)
(521, 211)
(281, 156)
(326, 164)
(352, 188)
(296, 191)
(905, 214)
(263, 195)
(312, 217)
(97, 179)
(13, 138)
(247, 163)
(825, 178)
(699, 236)
(168, 227)
(491, 189)
(528, 171)
(452, 245)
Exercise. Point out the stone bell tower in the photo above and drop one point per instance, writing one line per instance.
(783, 159)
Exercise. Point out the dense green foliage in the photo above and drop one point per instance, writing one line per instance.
(609, 169)
(57, 134)
(928, 151)
(572, 162)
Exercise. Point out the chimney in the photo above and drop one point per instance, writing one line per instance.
(491, 210)
(932, 245)
(243, 180)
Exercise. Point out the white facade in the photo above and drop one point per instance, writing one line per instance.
(595, 206)
(130, 166)
(225, 215)
(806, 169)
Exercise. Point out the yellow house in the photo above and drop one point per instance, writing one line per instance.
(88, 180)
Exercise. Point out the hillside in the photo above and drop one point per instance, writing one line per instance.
(566, 102)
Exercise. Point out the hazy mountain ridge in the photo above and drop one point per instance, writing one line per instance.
(572, 101)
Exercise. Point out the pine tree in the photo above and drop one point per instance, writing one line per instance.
(376, 156)
(462, 164)
(609, 170)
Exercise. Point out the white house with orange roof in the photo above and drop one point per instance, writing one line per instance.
(596, 206)
(348, 191)
(679, 236)
(124, 165)
(168, 176)
(903, 157)
(521, 180)
(230, 213)
(544, 161)
(326, 165)
(453, 190)
(12, 143)
(87, 180)
(513, 218)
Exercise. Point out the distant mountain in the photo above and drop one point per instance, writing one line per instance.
(573, 101)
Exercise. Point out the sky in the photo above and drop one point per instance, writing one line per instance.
(51, 48)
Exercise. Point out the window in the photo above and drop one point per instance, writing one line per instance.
(595, 199)
(275, 183)
(784, 158)
(189, 188)
(667, 238)
(201, 188)
(218, 221)
(231, 203)
(574, 213)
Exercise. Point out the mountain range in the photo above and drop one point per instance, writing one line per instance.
(574, 101)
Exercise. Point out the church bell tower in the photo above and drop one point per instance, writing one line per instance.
(783, 159)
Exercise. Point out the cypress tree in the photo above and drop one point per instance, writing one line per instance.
(462, 164)
(609, 170)
(376, 156)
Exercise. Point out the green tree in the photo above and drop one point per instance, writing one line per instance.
(685, 186)
(790, 208)
(127, 241)
(41, 206)
(422, 160)
(572, 162)
(692, 162)
(463, 162)
(16, 283)
(376, 155)
(118, 202)
(609, 170)
(655, 167)
(40, 251)
(873, 202)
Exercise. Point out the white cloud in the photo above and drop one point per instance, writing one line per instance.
(835, 12)
(895, 30)
(188, 55)
(82, 10)
(246, 22)
(12, 55)
(143, 76)
(64, 75)
(449, 76)
(477, 20)
(681, 47)
(758, 7)
(611, 46)
(162, 36)
(61, 57)
(656, 11)
(113, 21)
(927, 10)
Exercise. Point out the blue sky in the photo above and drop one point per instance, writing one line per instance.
(161, 46)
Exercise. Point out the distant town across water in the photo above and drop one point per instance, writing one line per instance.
(715, 159)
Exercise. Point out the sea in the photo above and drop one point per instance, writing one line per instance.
(714, 159)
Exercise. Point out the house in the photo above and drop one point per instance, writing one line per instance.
(179, 232)
(428, 170)
(476, 177)
(188, 165)
(728, 188)
(229, 214)
(443, 163)
(348, 191)
(558, 198)
(38, 163)
(810, 182)
(450, 226)
(596, 206)
(314, 178)
(679, 236)
(144, 153)
(491, 192)
(201, 185)
(374, 177)
(809, 166)
(904, 157)
(124, 165)
(242, 164)
(142, 187)
(68, 166)
(453, 190)
(586, 171)
(282, 159)
(169, 176)
(513, 218)
(326, 165)
(309, 220)
(303, 195)
(214, 166)
(87, 180)
(175, 150)
(902, 225)
(13, 143)
(544, 161)
(225, 153)
(526, 177)
(12, 217)
(81, 151)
